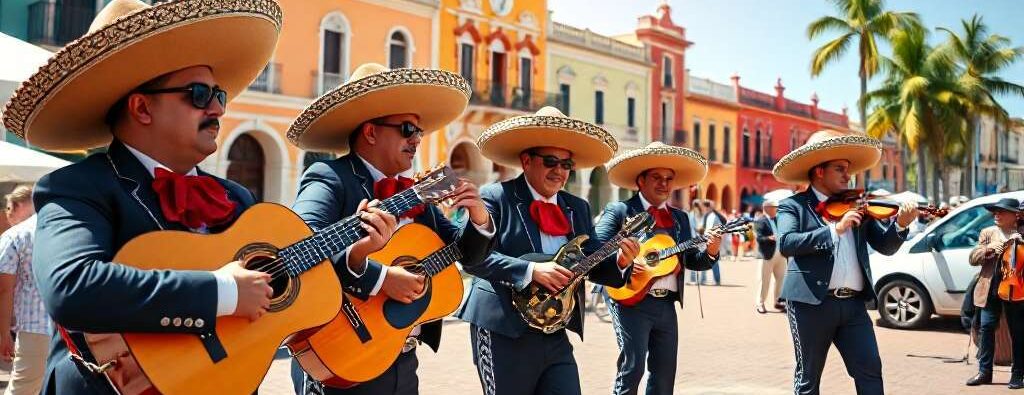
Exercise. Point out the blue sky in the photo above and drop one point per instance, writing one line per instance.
(764, 40)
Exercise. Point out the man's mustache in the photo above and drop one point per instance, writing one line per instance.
(214, 122)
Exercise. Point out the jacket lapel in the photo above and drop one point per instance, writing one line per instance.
(569, 214)
(521, 201)
(138, 183)
(812, 204)
(362, 174)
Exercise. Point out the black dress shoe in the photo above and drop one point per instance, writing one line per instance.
(980, 378)
(1016, 381)
(780, 306)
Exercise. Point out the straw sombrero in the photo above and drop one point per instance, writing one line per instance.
(689, 166)
(503, 142)
(62, 106)
(438, 97)
(828, 145)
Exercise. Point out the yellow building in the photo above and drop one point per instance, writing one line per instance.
(322, 41)
(499, 47)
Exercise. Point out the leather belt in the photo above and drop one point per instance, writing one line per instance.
(843, 293)
(410, 344)
(661, 293)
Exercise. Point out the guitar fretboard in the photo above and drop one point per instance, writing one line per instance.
(441, 259)
(308, 252)
(601, 254)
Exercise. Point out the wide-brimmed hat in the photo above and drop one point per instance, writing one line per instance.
(827, 145)
(590, 144)
(689, 166)
(437, 97)
(1006, 204)
(62, 107)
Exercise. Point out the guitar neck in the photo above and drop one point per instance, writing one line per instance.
(686, 245)
(308, 252)
(601, 254)
(441, 259)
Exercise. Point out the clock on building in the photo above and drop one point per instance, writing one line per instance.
(501, 7)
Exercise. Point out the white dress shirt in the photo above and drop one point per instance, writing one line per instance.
(846, 271)
(668, 282)
(227, 289)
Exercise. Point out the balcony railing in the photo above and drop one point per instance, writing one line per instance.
(489, 93)
(324, 82)
(623, 133)
(268, 80)
(55, 25)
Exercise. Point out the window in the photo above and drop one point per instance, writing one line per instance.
(398, 51)
(757, 149)
(333, 52)
(696, 136)
(711, 143)
(746, 147)
(631, 112)
(962, 231)
(664, 121)
(467, 62)
(563, 90)
(666, 71)
(526, 75)
(599, 107)
(726, 138)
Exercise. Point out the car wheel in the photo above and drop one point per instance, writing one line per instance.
(903, 304)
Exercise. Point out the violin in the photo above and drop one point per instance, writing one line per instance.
(838, 205)
(1011, 288)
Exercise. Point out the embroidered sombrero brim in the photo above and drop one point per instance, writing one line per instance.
(62, 106)
(689, 166)
(862, 152)
(503, 142)
(437, 97)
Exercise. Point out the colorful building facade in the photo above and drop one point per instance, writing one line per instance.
(711, 113)
(499, 47)
(600, 80)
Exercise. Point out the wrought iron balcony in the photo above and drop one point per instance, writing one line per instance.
(494, 94)
(268, 80)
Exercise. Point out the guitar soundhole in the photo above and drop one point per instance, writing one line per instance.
(263, 257)
(651, 258)
(412, 265)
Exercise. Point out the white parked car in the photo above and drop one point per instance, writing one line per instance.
(930, 273)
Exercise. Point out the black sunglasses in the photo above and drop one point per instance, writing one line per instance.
(200, 94)
(406, 128)
(550, 161)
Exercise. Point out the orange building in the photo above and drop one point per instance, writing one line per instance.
(322, 41)
(499, 47)
(711, 113)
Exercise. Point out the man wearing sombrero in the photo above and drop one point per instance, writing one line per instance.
(157, 112)
(533, 215)
(377, 120)
(828, 279)
(988, 255)
(649, 329)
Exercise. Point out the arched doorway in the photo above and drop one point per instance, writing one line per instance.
(246, 163)
(727, 199)
(600, 190)
(744, 193)
(711, 194)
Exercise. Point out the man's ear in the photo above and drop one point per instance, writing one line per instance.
(138, 109)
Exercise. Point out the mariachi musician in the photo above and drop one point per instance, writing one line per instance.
(647, 330)
(377, 121)
(158, 122)
(988, 255)
(534, 215)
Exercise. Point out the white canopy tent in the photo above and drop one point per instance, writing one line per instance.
(908, 196)
(20, 164)
(880, 192)
(21, 59)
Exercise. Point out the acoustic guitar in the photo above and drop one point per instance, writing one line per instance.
(661, 253)
(338, 357)
(550, 311)
(235, 357)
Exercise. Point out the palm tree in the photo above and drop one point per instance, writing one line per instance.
(980, 56)
(866, 21)
(920, 100)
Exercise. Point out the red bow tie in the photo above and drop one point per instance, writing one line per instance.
(549, 217)
(662, 217)
(192, 201)
(388, 187)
